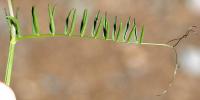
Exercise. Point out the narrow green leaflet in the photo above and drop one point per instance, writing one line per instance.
(114, 28)
(135, 31)
(100, 26)
(51, 12)
(141, 35)
(119, 31)
(73, 23)
(131, 34)
(95, 23)
(15, 22)
(106, 28)
(35, 23)
(126, 29)
(66, 31)
(84, 22)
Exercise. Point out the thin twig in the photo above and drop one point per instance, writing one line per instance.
(165, 91)
(177, 40)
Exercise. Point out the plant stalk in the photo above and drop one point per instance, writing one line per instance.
(9, 67)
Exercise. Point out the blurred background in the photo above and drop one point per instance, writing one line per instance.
(77, 69)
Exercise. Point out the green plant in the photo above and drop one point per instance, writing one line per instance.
(101, 24)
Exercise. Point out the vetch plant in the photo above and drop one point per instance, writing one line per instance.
(102, 30)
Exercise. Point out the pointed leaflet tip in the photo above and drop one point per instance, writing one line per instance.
(95, 23)
(84, 22)
(141, 35)
(115, 24)
(119, 31)
(106, 27)
(135, 31)
(131, 33)
(66, 31)
(126, 29)
(73, 23)
(51, 12)
(99, 28)
(114, 28)
(108, 30)
(35, 23)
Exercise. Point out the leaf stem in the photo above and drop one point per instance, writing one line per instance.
(42, 35)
